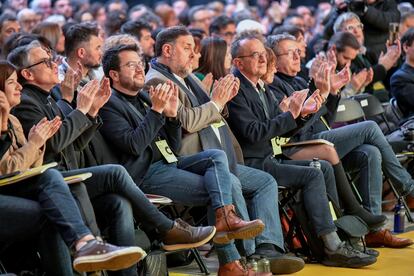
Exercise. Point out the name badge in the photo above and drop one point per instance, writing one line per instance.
(166, 151)
(277, 143)
(218, 125)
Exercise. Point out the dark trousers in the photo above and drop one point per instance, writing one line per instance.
(314, 184)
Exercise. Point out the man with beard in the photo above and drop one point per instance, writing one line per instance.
(83, 56)
(81, 65)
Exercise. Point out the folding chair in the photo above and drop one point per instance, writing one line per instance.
(348, 110)
(396, 109)
(175, 213)
(372, 107)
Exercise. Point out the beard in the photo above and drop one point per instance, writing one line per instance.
(131, 85)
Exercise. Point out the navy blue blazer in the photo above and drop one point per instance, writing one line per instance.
(402, 88)
(132, 136)
(284, 85)
(248, 120)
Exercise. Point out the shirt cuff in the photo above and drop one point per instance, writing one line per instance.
(216, 106)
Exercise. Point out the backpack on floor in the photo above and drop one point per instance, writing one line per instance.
(301, 237)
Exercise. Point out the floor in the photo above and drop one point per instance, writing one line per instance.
(390, 262)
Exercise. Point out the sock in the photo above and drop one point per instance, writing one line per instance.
(349, 201)
(331, 241)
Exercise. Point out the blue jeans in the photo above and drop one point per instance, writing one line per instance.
(23, 219)
(196, 180)
(114, 179)
(257, 198)
(314, 183)
(58, 205)
(115, 218)
(351, 137)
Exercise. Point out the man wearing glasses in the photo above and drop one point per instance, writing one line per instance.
(363, 142)
(39, 75)
(376, 70)
(258, 122)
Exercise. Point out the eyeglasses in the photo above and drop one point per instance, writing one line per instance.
(290, 53)
(352, 28)
(132, 65)
(255, 55)
(47, 61)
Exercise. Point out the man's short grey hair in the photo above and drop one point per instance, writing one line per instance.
(35, 4)
(20, 57)
(342, 19)
(236, 45)
(24, 12)
(273, 41)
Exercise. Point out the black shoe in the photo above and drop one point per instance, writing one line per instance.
(347, 256)
(366, 250)
(279, 263)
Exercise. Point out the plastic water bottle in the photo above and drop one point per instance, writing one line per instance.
(263, 265)
(253, 265)
(399, 217)
(315, 163)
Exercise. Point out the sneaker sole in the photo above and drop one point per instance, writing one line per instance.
(286, 265)
(117, 260)
(350, 264)
(241, 234)
(189, 245)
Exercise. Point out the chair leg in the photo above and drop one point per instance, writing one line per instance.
(354, 188)
(2, 268)
(397, 195)
(200, 262)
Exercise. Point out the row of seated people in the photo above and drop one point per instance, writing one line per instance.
(173, 140)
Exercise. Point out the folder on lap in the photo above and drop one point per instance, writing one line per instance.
(26, 174)
(77, 178)
(308, 143)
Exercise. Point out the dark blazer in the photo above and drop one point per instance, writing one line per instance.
(73, 136)
(402, 88)
(98, 151)
(132, 137)
(284, 85)
(248, 120)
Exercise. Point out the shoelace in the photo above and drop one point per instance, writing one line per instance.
(183, 225)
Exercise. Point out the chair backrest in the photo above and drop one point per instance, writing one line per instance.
(348, 110)
(370, 105)
(396, 109)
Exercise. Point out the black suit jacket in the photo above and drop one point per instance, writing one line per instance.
(132, 136)
(73, 136)
(284, 85)
(402, 88)
(248, 120)
(98, 151)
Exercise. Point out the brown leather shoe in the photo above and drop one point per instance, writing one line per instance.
(236, 269)
(183, 236)
(384, 238)
(229, 226)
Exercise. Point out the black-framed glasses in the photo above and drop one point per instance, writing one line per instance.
(290, 53)
(255, 55)
(133, 65)
(47, 61)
